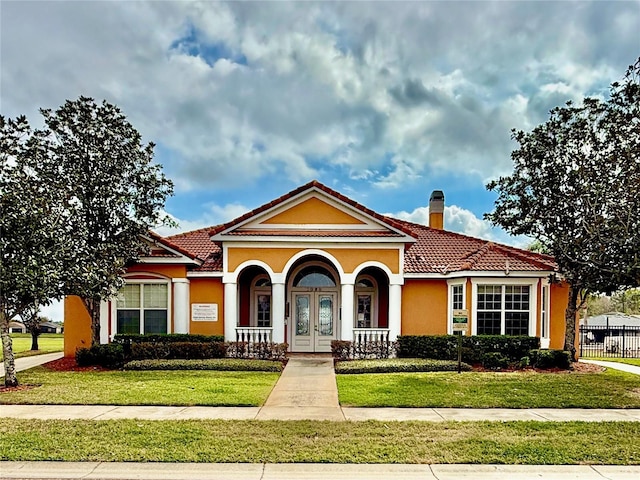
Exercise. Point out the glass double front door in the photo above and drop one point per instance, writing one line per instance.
(314, 319)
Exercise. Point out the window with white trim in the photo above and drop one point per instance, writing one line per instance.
(366, 315)
(503, 309)
(457, 298)
(261, 302)
(544, 312)
(142, 308)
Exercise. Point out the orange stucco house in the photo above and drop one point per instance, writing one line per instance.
(313, 266)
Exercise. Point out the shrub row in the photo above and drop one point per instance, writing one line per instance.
(394, 365)
(345, 350)
(183, 350)
(445, 347)
(545, 359)
(222, 364)
(129, 339)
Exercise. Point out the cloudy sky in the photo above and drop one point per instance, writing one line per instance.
(382, 101)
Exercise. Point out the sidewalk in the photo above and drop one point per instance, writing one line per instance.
(615, 365)
(284, 471)
(26, 363)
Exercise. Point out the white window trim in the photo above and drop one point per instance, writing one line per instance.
(533, 300)
(114, 305)
(545, 306)
(374, 300)
(450, 285)
(255, 291)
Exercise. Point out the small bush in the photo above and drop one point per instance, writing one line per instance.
(546, 359)
(494, 361)
(261, 351)
(222, 364)
(108, 356)
(341, 349)
(397, 365)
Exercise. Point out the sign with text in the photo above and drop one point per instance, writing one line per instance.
(460, 320)
(204, 312)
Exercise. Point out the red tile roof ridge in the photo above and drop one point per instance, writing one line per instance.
(190, 232)
(168, 243)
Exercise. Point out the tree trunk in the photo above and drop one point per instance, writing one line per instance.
(10, 379)
(93, 308)
(34, 341)
(570, 322)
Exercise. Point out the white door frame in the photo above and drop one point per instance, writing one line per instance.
(314, 341)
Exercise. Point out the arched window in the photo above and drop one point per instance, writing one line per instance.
(366, 308)
(261, 295)
(314, 276)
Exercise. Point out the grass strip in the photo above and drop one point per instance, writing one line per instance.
(143, 388)
(628, 361)
(609, 389)
(321, 441)
(214, 364)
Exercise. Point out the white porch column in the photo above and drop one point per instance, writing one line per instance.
(180, 305)
(230, 311)
(277, 312)
(104, 322)
(395, 311)
(346, 306)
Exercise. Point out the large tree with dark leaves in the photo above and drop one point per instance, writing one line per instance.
(33, 226)
(576, 189)
(114, 194)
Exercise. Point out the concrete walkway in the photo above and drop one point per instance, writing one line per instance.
(26, 363)
(625, 367)
(309, 471)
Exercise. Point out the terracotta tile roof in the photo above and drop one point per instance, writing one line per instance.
(199, 244)
(314, 233)
(392, 222)
(441, 251)
(166, 241)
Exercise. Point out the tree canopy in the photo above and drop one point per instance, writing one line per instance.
(575, 188)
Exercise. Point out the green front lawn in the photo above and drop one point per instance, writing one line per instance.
(47, 343)
(322, 442)
(143, 388)
(609, 389)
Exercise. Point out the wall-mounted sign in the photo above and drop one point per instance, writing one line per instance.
(204, 312)
(460, 320)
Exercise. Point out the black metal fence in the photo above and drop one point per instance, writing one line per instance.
(610, 341)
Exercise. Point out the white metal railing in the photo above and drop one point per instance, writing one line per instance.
(367, 335)
(254, 334)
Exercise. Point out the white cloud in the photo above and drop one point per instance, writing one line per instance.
(212, 215)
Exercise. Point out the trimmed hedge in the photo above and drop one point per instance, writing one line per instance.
(445, 347)
(546, 359)
(129, 339)
(224, 364)
(108, 356)
(398, 365)
(175, 350)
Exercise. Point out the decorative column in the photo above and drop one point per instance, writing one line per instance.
(277, 312)
(104, 322)
(346, 308)
(230, 311)
(395, 311)
(180, 305)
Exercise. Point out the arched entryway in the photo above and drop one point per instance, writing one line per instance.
(313, 286)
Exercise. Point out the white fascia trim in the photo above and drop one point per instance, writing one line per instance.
(468, 273)
(311, 243)
(183, 257)
(169, 260)
(204, 274)
(306, 239)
